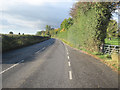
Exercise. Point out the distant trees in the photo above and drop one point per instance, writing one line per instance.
(48, 27)
(18, 33)
(41, 33)
(49, 31)
(10, 32)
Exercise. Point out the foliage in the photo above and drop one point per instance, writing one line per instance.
(66, 23)
(10, 42)
(11, 32)
(85, 6)
(40, 33)
(18, 33)
(112, 29)
(90, 23)
(48, 27)
(107, 56)
(49, 33)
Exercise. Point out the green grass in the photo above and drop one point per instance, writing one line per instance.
(113, 41)
(10, 42)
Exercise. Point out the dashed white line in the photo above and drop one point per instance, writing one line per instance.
(11, 66)
(69, 63)
(70, 75)
(68, 57)
(67, 53)
(40, 50)
(43, 48)
(67, 49)
(37, 52)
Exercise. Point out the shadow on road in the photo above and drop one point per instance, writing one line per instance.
(27, 54)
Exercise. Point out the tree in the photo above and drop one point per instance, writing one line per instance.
(10, 32)
(23, 34)
(47, 32)
(66, 23)
(38, 33)
(48, 27)
(87, 5)
(90, 23)
(18, 33)
(112, 29)
(41, 33)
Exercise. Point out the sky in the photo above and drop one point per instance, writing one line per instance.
(30, 16)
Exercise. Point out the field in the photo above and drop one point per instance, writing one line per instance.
(113, 41)
(10, 42)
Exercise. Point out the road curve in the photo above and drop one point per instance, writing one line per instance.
(52, 64)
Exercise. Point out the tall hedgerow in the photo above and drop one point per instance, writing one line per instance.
(90, 22)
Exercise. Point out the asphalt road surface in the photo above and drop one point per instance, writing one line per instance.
(52, 64)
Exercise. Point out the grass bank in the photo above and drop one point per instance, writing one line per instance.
(10, 42)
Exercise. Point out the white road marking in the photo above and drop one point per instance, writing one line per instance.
(40, 50)
(69, 63)
(11, 66)
(70, 75)
(67, 49)
(68, 57)
(67, 53)
(43, 48)
(37, 52)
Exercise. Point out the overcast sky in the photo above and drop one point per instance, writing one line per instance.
(30, 16)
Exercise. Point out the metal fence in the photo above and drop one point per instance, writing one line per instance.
(108, 49)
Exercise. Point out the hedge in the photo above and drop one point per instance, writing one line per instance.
(89, 28)
(10, 42)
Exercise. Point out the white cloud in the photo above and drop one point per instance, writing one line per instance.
(16, 20)
(6, 4)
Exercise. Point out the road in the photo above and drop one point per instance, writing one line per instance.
(52, 64)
